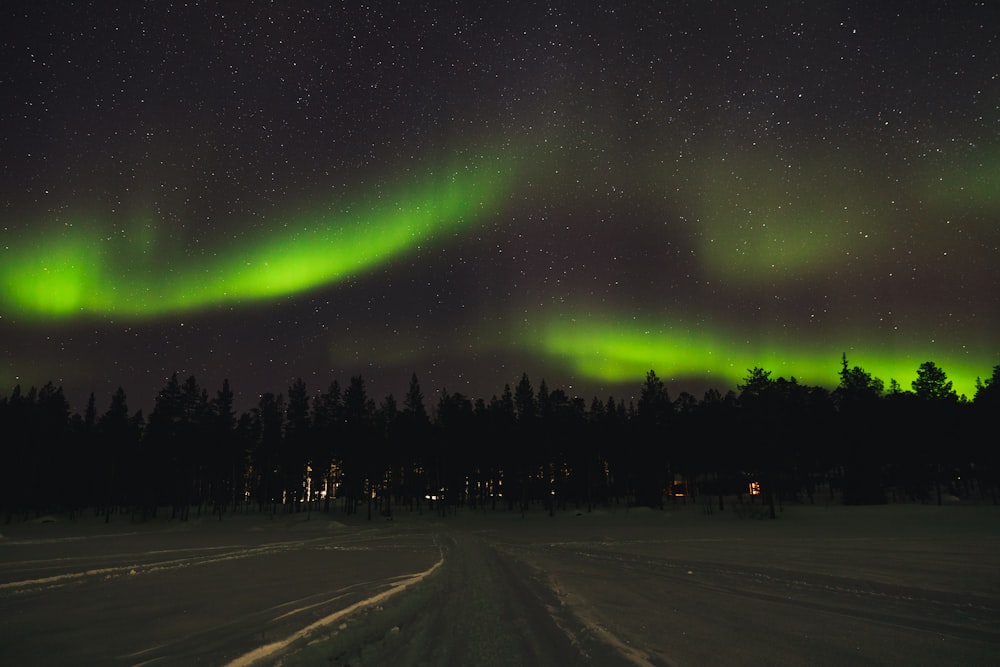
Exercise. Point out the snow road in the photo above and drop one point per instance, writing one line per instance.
(883, 585)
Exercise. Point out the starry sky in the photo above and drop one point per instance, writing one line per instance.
(582, 191)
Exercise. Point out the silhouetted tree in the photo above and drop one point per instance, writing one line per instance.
(502, 436)
(755, 385)
(270, 418)
(648, 464)
(563, 429)
(761, 401)
(617, 456)
(119, 447)
(933, 390)
(385, 469)
(15, 432)
(161, 458)
(932, 384)
(226, 458)
(295, 450)
(719, 444)
(48, 480)
(193, 431)
(359, 413)
(864, 458)
(654, 407)
(525, 442)
(857, 386)
(524, 400)
(454, 431)
(988, 393)
(537, 447)
(824, 442)
(246, 447)
(986, 454)
(413, 438)
(85, 459)
(328, 430)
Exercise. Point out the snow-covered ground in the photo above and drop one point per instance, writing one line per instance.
(899, 584)
(201, 592)
(846, 585)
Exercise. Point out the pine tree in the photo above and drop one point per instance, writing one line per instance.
(932, 384)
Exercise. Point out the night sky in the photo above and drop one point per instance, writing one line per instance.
(582, 191)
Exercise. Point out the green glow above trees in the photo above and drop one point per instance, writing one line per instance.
(81, 270)
(618, 351)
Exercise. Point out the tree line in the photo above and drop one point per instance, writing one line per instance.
(770, 441)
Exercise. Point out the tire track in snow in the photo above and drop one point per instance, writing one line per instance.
(138, 567)
(137, 563)
(272, 649)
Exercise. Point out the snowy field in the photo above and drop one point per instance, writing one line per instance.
(899, 584)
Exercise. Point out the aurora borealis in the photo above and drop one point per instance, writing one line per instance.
(75, 274)
(469, 191)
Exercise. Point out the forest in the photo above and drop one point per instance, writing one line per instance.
(772, 441)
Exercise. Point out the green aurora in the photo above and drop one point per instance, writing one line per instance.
(82, 271)
(623, 350)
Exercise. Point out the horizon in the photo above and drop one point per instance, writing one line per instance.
(246, 400)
